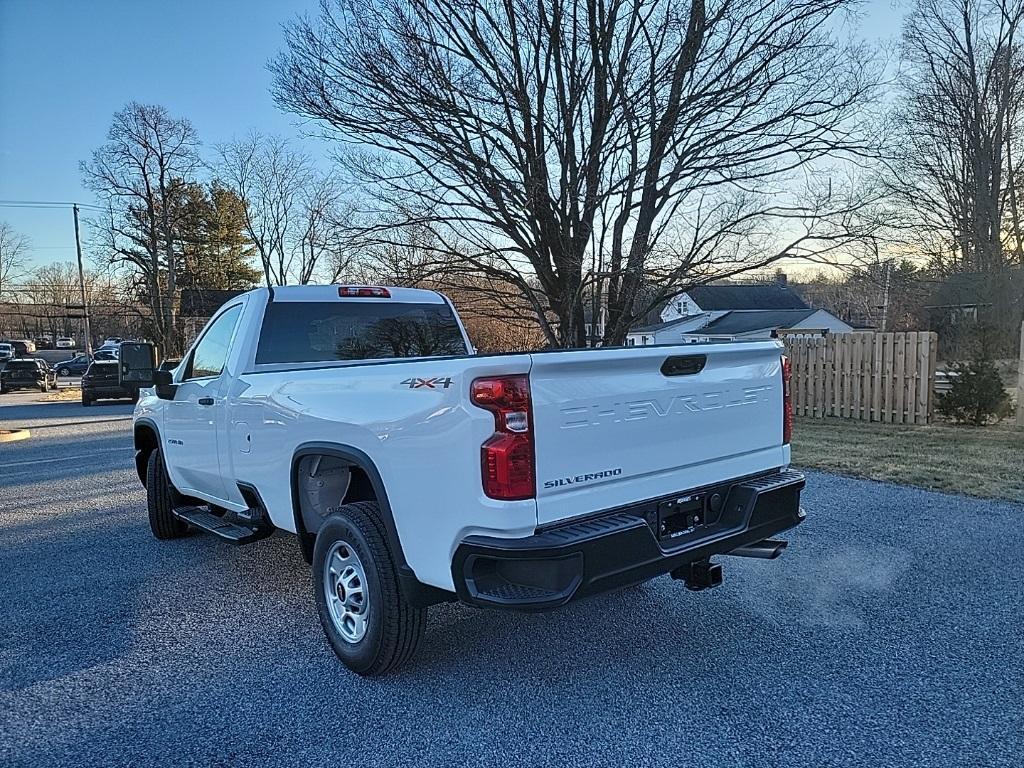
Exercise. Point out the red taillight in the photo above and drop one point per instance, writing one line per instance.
(506, 458)
(787, 400)
(363, 292)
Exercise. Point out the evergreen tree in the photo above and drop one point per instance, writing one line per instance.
(215, 252)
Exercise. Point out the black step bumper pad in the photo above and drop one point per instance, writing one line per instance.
(621, 546)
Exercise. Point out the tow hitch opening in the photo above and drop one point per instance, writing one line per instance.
(698, 575)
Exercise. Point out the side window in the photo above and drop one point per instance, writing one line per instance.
(211, 352)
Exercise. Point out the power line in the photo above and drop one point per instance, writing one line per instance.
(46, 204)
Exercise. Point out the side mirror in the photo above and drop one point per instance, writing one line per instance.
(137, 364)
(163, 383)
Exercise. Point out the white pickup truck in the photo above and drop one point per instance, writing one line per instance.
(415, 472)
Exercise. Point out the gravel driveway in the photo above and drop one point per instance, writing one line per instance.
(888, 634)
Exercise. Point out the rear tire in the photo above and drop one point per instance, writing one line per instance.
(380, 631)
(160, 500)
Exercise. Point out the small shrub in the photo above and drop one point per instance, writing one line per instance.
(977, 396)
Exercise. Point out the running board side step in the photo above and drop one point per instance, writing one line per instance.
(769, 549)
(229, 527)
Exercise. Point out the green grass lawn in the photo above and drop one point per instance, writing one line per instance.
(986, 461)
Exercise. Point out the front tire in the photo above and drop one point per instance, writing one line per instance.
(160, 500)
(86, 401)
(64, 372)
(370, 625)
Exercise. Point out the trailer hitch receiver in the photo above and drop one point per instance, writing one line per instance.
(698, 575)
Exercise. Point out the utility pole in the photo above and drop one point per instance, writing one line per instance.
(81, 283)
(885, 296)
(1020, 381)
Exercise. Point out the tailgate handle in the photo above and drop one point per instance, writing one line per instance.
(683, 365)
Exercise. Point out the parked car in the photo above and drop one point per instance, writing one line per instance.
(170, 365)
(22, 347)
(110, 353)
(415, 472)
(76, 366)
(6, 351)
(111, 341)
(100, 382)
(65, 342)
(44, 342)
(27, 373)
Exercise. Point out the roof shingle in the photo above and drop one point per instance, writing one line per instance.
(746, 296)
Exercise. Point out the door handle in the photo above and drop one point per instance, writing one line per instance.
(683, 365)
(205, 401)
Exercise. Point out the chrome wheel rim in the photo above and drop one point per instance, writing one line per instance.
(346, 592)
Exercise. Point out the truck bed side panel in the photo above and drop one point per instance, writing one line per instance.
(423, 438)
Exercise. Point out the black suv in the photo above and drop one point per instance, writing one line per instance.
(27, 373)
(100, 383)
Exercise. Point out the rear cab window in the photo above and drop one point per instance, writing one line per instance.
(23, 365)
(331, 331)
(101, 368)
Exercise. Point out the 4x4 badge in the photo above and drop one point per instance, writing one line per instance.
(435, 383)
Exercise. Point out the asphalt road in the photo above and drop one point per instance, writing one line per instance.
(889, 634)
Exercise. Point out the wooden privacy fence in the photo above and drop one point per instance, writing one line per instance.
(866, 376)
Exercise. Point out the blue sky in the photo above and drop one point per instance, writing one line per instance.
(67, 65)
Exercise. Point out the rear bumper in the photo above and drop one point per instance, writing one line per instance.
(23, 384)
(623, 546)
(107, 393)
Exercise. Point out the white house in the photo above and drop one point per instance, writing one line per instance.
(734, 311)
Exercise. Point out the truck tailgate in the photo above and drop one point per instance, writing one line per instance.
(618, 426)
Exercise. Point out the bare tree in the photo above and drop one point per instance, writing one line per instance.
(14, 248)
(551, 145)
(52, 288)
(270, 176)
(961, 145)
(324, 248)
(888, 295)
(141, 174)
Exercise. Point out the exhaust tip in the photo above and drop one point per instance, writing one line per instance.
(769, 549)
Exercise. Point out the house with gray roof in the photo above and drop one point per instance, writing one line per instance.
(735, 311)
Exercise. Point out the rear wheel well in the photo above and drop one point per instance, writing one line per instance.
(146, 441)
(325, 477)
(323, 483)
